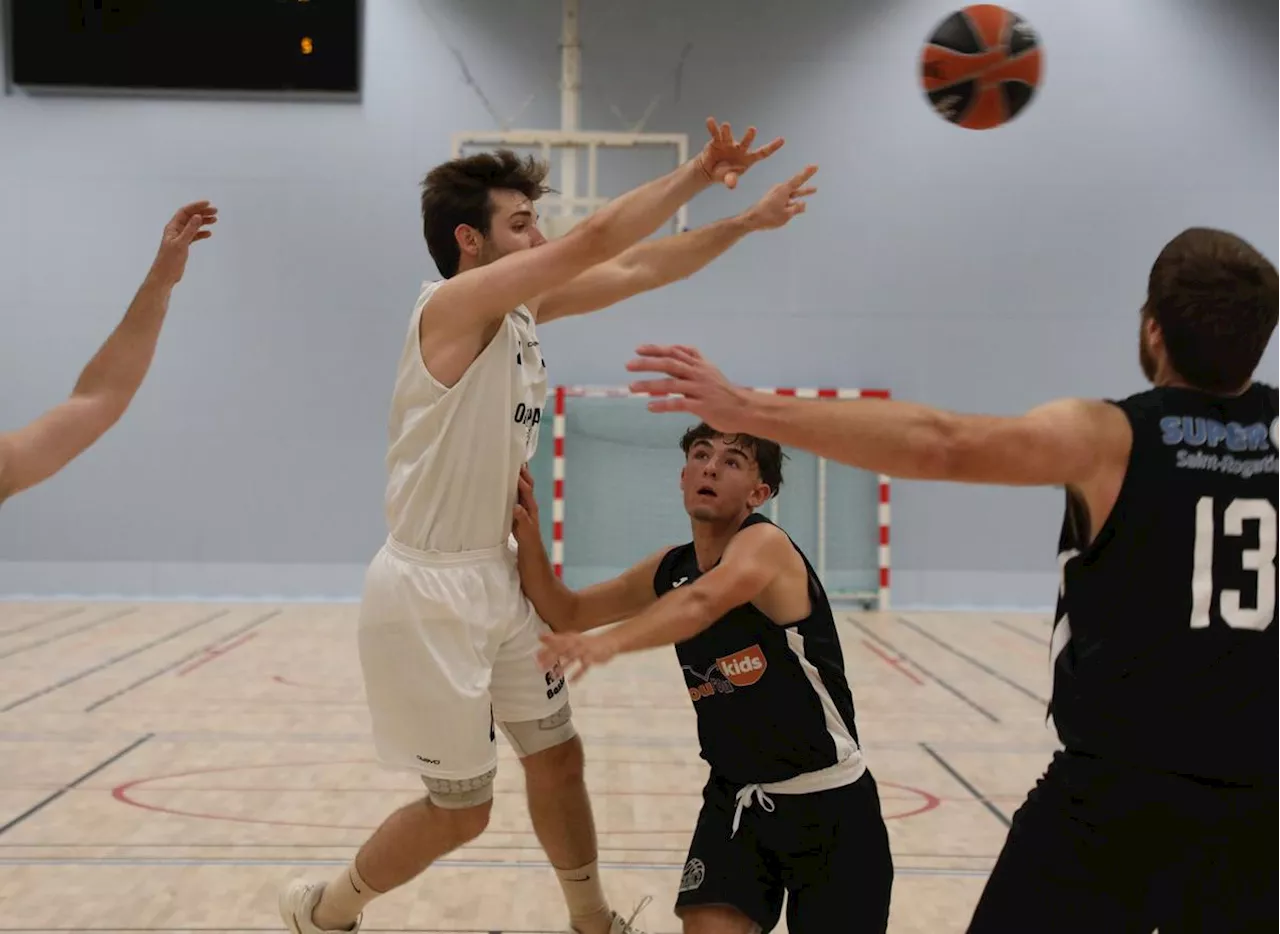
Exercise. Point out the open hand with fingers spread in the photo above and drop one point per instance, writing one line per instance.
(184, 228)
(691, 384)
(576, 651)
(725, 159)
(782, 202)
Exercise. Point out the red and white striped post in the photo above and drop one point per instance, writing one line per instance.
(562, 393)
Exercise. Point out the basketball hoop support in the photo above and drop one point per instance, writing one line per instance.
(570, 207)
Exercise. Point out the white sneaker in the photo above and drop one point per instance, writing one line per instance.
(299, 899)
(627, 926)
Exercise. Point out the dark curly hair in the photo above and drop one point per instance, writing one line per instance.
(767, 454)
(457, 192)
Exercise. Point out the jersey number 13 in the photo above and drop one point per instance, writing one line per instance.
(1260, 560)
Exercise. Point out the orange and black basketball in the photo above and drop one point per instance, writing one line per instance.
(981, 66)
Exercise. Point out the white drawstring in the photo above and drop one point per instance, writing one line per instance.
(744, 801)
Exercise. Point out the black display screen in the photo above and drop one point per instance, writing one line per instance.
(197, 45)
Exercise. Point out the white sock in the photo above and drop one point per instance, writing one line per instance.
(343, 900)
(584, 897)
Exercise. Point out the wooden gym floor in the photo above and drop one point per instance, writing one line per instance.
(164, 767)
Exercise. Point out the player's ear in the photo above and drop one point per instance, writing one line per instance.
(758, 496)
(1155, 337)
(468, 239)
(682, 479)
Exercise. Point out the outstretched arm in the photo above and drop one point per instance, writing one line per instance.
(1063, 443)
(752, 561)
(566, 610)
(653, 264)
(35, 452)
(474, 298)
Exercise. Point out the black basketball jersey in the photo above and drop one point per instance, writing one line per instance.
(1164, 646)
(772, 701)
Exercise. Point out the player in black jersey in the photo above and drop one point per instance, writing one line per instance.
(1160, 812)
(790, 807)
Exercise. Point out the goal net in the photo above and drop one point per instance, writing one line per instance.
(610, 473)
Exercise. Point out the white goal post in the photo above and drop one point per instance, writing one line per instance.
(614, 472)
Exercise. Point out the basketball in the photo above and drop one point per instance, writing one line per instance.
(981, 66)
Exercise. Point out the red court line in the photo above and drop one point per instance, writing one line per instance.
(894, 663)
(124, 793)
(215, 652)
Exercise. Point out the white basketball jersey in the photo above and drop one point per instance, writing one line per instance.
(455, 452)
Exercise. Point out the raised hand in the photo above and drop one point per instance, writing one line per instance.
(184, 228)
(782, 202)
(576, 650)
(692, 384)
(725, 159)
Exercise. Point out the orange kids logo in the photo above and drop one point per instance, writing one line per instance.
(744, 668)
(739, 670)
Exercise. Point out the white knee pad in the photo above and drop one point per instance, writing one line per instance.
(457, 794)
(531, 736)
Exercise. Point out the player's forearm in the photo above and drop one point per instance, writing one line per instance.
(901, 439)
(670, 259)
(678, 616)
(630, 218)
(117, 370)
(555, 603)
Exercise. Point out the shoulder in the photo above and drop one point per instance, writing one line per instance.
(669, 564)
(759, 540)
(1097, 420)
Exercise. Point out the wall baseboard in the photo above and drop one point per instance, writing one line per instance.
(342, 583)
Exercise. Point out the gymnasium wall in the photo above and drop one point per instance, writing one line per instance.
(979, 271)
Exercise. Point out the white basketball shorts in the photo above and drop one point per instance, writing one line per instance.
(448, 644)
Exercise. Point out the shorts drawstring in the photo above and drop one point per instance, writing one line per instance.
(744, 796)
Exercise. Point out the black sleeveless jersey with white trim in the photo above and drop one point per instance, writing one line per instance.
(1164, 645)
(772, 701)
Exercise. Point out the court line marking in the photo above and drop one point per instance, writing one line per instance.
(203, 737)
(75, 630)
(999, 815)
(981, 666)
(48, 618)
(72, 785)
(72, 679)
(1018, 630)
(126, 793)
(943, 684)
(894, 663)
(344, 845)
(539, 865)
(257, 621)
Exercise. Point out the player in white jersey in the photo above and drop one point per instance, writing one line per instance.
(35, 452)
(448, 642)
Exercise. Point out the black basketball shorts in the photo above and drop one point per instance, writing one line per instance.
(827, 852)
(1105, 848)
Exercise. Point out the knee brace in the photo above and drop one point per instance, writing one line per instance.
(531, 736)
(457, 794)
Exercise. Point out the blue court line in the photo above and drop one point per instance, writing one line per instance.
(72, 679)
(981, 666)
(1044, 643)
(47, 618)
(937, 680)
(72, 785)
(969, 786)
(455, 863)
(362, 739)
(75, 630)
(252, 624)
